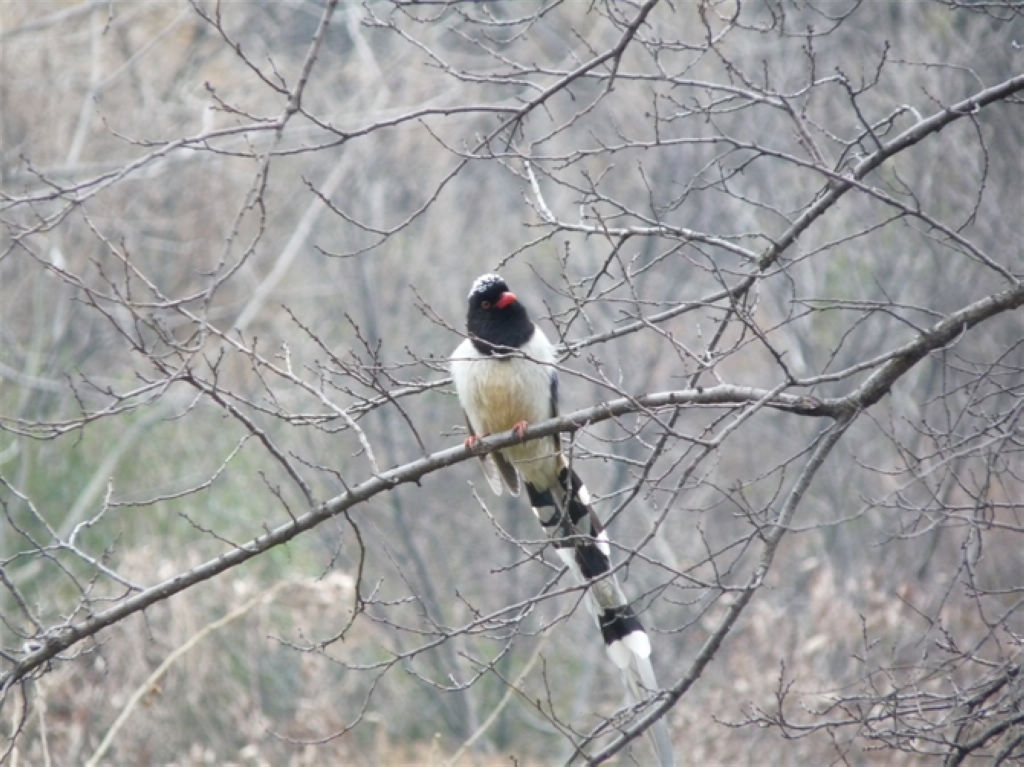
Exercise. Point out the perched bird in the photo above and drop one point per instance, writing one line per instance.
(505, 376)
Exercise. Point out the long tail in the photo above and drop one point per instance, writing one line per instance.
(581, 542)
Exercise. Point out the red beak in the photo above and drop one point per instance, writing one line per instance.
(506, 298)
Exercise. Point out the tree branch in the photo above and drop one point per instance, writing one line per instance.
(840, 409)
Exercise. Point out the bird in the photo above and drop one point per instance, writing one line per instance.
(505, 375)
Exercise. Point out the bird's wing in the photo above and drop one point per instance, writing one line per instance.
(553, 389)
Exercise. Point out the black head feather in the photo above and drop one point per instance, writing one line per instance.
(496, 321)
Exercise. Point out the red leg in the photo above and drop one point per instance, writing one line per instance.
(519, 427)
(470, 441)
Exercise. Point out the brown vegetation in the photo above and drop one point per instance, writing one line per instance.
(780, 244)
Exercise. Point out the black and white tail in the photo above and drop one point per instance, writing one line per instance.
(582, 543)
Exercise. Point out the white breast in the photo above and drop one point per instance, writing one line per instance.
(499, 392)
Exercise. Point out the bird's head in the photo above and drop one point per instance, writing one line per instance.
(490, 291)
(496, 319)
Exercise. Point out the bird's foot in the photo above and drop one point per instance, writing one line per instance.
(519, 427)
(471, 441)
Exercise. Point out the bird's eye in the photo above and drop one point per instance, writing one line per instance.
(485, 304)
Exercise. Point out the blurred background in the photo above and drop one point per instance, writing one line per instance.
(236, 244)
